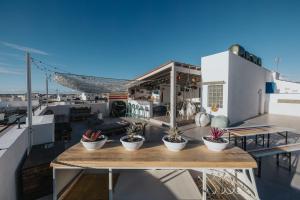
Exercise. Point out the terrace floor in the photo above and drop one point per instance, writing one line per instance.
(276, 183)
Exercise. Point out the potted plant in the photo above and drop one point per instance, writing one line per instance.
(174, 141)
(132, 141)
(92, 140)
(215, 142)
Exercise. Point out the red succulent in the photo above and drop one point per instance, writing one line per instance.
(216, 133)
(91, 136)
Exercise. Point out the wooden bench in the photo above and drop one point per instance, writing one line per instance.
(277, 150)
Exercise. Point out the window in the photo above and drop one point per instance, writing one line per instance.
(215, 95)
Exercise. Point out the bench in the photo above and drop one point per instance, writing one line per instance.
(277, 150)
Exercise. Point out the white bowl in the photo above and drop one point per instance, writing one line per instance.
(172, 146)
(214, 146)
(94, 145)
(132, 146)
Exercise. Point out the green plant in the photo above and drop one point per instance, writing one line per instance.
(132, 130)
(174, 135)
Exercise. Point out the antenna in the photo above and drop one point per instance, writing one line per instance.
(277, 60)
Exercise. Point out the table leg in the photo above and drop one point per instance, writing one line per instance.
(263, 136)
(252, 179)
(286, 137)
(110, 184)
(235, 140)
(204, 185)
(245, 143)
(54, 184)
(229, 137)
(268, 141)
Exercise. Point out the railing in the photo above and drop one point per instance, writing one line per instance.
(18, 119)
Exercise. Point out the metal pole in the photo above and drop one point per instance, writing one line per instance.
(46, 90)
(29, 104)
(173, 97)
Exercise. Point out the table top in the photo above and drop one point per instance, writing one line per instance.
(153, 155)
(259, 130)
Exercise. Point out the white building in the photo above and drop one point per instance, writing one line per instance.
(239, 88)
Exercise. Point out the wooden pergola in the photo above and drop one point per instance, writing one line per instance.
(171, 70)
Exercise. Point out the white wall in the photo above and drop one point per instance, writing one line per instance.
(215, 68)
(65, 109)
(43, 129)
(243, 81)
(287, 86)
(292, 109)
(246, 79)
(14, 144)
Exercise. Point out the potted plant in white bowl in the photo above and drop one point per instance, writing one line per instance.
(92, 140)
(132, 141)
(174, 141)
(215, 142)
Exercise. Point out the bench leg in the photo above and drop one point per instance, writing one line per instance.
(290, 160)
(256, 139)
(259, 167)
(235, 140)
(245, 143)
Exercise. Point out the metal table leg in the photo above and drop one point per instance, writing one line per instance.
(286, 137)
(110, 184)
(268, 141)
(253, 184)
(204, 185)
(54, 184)
(245, 143)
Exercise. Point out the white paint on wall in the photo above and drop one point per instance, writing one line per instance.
(291, 109)
(283, 86)
(13, 145)
(247, 85)
(243, 89)
(215, 68)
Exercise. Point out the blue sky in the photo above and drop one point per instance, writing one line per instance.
(123, 39)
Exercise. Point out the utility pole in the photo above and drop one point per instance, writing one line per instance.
(46, 90)
(29, 103)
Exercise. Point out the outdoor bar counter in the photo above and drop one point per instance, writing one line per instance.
(156, 156)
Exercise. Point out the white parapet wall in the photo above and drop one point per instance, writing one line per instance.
(13, 145)
(43, 129)
(284, 104)
(95, 108)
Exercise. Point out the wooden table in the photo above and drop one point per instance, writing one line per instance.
(246, 131)
(155, 156)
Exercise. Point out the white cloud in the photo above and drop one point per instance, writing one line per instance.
(5, 70)
(22, 48)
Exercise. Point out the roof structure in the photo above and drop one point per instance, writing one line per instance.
(91, 84)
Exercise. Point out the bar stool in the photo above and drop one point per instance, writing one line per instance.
(128, 110)
(147, 112)
(141, 111)
(132, 110)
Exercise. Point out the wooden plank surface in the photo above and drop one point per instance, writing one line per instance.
(90, 187)
(153, 155)
(251, 131)
(275, 150)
